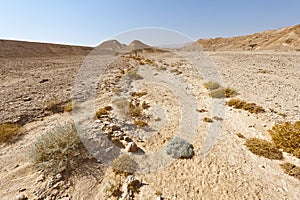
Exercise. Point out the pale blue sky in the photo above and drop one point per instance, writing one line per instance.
(89, 22)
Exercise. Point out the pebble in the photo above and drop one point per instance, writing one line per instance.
(21, 197)
(131, 147)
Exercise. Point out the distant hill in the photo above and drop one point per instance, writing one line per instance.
(283, 39)
(13, 49)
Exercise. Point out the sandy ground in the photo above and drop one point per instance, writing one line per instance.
(227, 171)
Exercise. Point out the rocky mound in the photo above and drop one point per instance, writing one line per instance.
(283, 39)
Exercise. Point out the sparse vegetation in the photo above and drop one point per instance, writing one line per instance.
(60, 150)
(211, 85)
(222, 92)
(202, 110)
(263, 148)
(113, 189)
(240, 135)
(250, 107)
(207, 119)
(54, 106)
(8, 132)
(124, 164)
(140, 123)
(179, 148)
(134, 110)
(217, 118)
(291, 169)
(176, 71)
(145, 105)
(101, 112)
(138, 94)
(133, 75)
(287, 137)
(69, 107)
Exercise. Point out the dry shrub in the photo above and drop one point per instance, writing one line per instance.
(287, 137)
(263, 148)
(134, 110)
(222, 92)
(138, 94)
(291, 169)
(101, 112)
(124, 164)
(60, 150)
(8, 132)
(54, 105)
(211, 85)
(176, 71)
(253, 108)
(140, 123)
(149, 61)
(207, 119)
(240, 135)
(145, 105)
(133, 75)
(250, 107)
(69, 107)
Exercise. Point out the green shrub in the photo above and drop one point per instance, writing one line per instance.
(124, 164)
(60, 150)
(287, 137)
(263, 148)
(180, 148)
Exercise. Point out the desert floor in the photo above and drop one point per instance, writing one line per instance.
(174, 90)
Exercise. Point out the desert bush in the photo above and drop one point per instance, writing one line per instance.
(180, 148)
(134, 110)
(176, 71)
(250, 107)
(138, 94)
(211, 85)
(69, 107)
(8, 132)
(145, 105)
(207, 119)
(124, 164)
(101, 112)
(253, 108)
(291, 169)
(287, 137)
(263, 148)
(222, 92)
(140, 123)
(54, 105)
(240, 135)
(217, 118)
(60, 150)
(133, 75)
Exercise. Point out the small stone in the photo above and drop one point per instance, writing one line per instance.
(27, 99)
(58, 177)
(127, 139)
(131, 147)
(117, 142)
(97, 120)
(21, 197)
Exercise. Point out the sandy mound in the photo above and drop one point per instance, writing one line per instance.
(13, 49)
